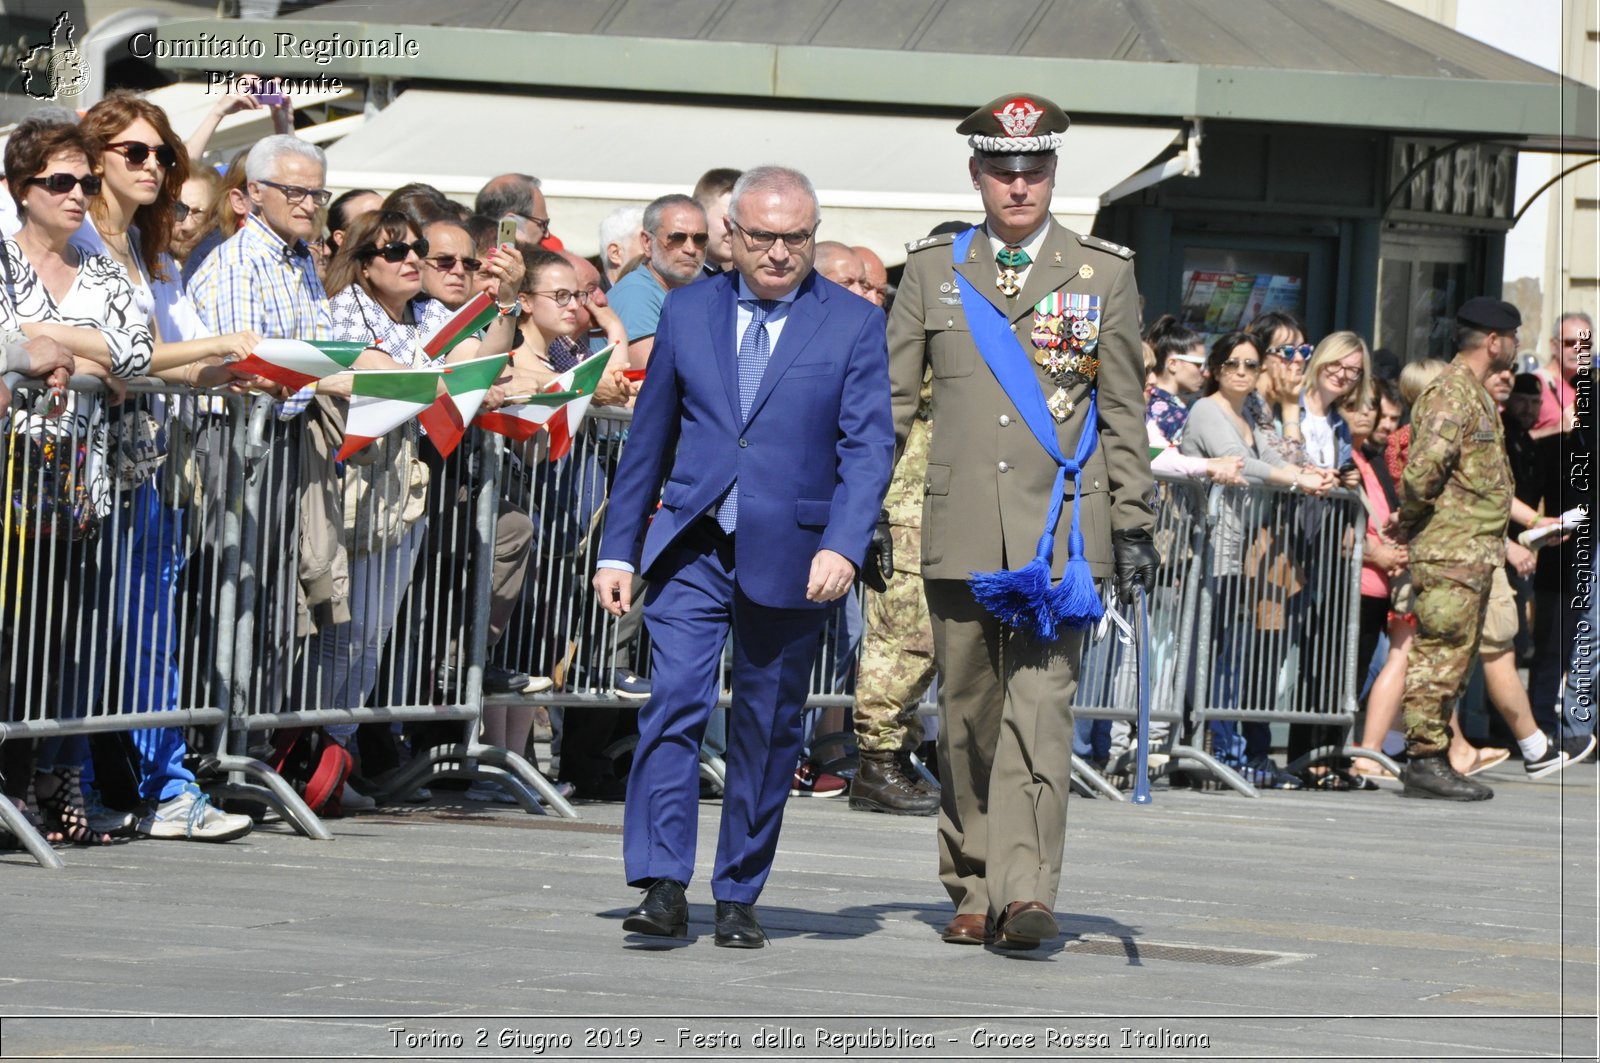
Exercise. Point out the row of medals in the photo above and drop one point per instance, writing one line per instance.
(1062, 341)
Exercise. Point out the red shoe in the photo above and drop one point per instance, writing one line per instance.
(809, 782)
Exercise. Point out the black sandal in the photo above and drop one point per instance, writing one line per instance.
(62, 806)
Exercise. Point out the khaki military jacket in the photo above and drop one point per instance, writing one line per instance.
(988, 480)
(1455, 495)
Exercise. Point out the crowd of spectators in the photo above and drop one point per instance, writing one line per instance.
(133, 253)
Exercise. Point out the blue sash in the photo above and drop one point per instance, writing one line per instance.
(1024, 598)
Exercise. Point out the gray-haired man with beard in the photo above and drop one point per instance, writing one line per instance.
(675, 238)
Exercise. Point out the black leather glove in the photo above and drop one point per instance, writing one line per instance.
(879, 566)
(1136, 563)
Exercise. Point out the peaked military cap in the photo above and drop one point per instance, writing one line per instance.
(1491, 315)
(1018, 131)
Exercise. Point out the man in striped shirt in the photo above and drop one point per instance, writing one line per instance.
(262, 278)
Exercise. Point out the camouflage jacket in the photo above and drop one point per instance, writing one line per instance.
(1455, 496)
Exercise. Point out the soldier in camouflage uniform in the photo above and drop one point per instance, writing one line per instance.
(896, 663)
(1455, 501)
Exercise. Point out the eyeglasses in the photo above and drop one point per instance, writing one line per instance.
(136, 153)
(698, 239)
(561, 297)
(542, 223)
(60, 184)
(446, 263)
(294, 193)
(1567, 341)
(181, 210)
(760, 239)
(1343, 372)
(1235, 365)
(1290, 351)
(396, 251)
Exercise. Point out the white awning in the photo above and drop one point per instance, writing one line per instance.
(882, 180)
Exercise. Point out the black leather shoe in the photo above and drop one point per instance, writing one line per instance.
(737, 927)
(1433, 777)
(663, 913)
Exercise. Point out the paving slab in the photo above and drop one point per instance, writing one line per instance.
(1205, 926)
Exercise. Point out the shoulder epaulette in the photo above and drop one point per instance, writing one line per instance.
(1105, 245)
(930, 241)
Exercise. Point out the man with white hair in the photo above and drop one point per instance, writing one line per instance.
(621, 243)
(754, 470)
(262, 279)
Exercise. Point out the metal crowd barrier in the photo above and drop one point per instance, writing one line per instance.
(118, 585)
(1278, 616)
(414, 558)
(1268, 578)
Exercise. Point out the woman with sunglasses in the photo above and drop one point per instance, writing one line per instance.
(189, 212)
(1281, 339)
(1179, 371)
(1217, 427)
(83, 301)
(376, 297)
(144, 170)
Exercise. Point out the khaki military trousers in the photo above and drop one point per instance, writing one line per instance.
(1005, 754)
(896, 662)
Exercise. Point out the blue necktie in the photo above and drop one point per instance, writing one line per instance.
(755, 350)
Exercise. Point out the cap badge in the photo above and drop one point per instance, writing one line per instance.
(1019, 116)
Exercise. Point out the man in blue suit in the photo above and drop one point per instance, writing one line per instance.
(763, 429)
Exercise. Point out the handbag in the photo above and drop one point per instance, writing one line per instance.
(136, 447)
(385, 497)
(49, 486)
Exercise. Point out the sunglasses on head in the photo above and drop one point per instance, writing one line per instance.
(136, 152)
(1291, 351)
(61, 183)
(446, 263)
(397, 250)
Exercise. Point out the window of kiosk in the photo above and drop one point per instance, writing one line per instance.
(1225, 289)
(1417, 300)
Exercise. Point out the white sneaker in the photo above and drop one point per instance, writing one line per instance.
(192, 817)
(353, 800)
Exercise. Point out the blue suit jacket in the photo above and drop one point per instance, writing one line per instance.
(813, 460)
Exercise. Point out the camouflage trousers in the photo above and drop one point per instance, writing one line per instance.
(1451, 601)
(896, 659)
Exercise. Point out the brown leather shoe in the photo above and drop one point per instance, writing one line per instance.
(969, 930)
(1023, 925)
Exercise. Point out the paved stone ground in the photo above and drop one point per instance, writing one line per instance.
(1335, 926)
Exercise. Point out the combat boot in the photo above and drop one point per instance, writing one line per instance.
(881, 786)
(919, 782)
(1433, 777)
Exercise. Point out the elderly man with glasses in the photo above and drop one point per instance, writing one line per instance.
(675, 240)
(763, 432)
(519, 195)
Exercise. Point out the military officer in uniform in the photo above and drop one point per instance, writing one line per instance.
(1038, 452)
(1455, 499)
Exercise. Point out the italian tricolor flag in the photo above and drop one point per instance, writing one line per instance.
(383, 400)
(475, 314)
(559, 409)
(299, 363)
(466, 384)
